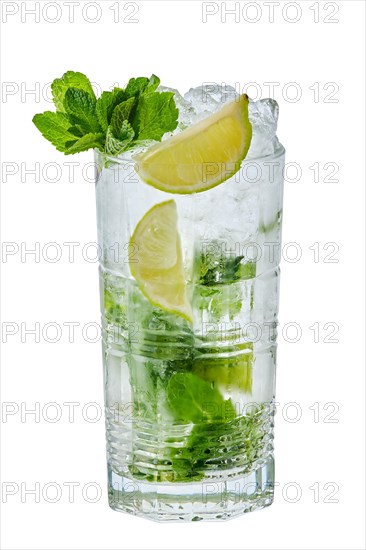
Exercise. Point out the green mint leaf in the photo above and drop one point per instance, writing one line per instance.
(106, 105)
(126, 132)
(56, 128)
(89, 141)
(141, 85)
(195, 400)
(76, 131)
(152, 84)
(80, 106)
(155, 115)
(208, 445)
(115, 146)
(80, 127)
(119, 117)
(215, 266)
(121, 114)
(136, 86)
(115, 307)
(70, 79)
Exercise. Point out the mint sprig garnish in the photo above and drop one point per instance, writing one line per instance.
(114, 122)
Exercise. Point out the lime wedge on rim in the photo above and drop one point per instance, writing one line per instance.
(158, 265)
(203, 155)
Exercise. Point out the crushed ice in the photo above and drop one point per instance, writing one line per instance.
(202, 101)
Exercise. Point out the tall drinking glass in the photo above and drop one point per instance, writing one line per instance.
(189, 405)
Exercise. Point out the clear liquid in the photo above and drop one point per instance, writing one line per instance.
(188, 404)
(146, 349)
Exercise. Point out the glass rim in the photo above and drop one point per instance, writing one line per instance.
(120, 160)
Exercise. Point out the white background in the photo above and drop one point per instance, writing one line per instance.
(171, 40)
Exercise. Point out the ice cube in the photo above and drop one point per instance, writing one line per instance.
(263, 115)
(209, 98)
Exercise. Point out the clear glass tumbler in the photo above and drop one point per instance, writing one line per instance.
(189, 406)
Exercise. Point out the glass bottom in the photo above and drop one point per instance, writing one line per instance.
(215, 499)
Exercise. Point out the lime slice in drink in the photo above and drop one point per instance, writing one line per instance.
(233, 371)
(203, 155)
(157, 262)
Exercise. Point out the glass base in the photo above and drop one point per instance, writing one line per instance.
(214, 499)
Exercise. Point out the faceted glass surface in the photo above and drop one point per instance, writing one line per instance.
(189, 406)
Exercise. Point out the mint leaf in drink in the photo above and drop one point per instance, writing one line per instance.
(70, 79)
(155, 115)
(121, 115)
(237, 442)
(106, 105)
(114, 306)
(217, 434)
(195, 400)
(56, 128)
(214, 266)
(115, 146)
(80, 107)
